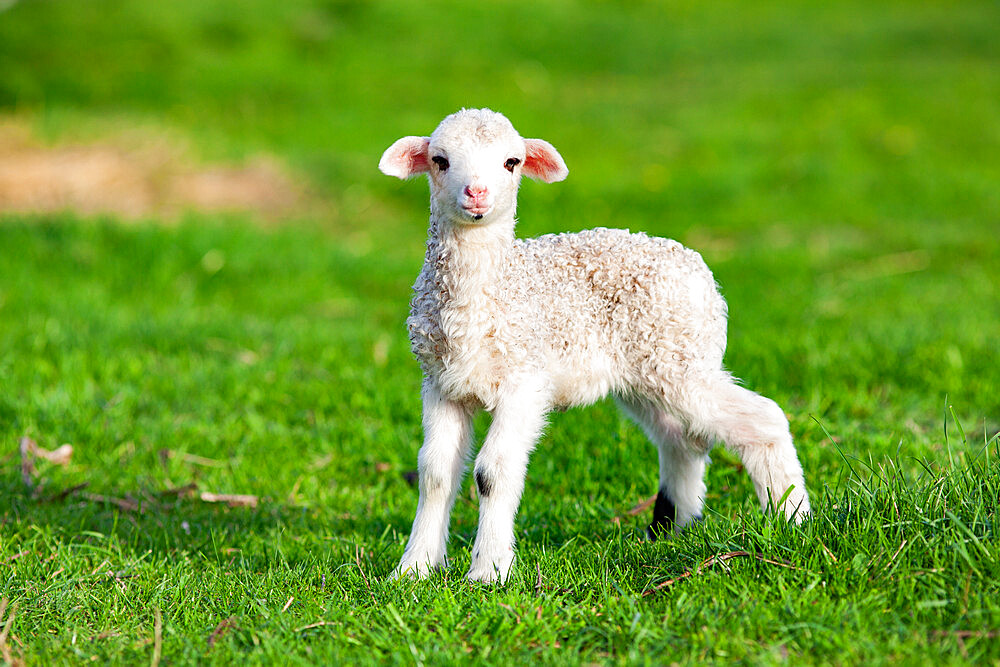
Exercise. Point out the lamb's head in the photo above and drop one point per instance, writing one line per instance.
(474, 160)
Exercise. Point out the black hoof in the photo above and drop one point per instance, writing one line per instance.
(664, 515)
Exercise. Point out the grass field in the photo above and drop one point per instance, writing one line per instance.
(837, 165)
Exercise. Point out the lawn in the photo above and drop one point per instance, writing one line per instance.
(836, 164)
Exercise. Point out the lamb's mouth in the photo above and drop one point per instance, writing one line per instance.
(477, 212)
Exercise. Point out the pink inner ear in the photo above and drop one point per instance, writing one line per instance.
(417, 157)
(406, 157)
(541, 161)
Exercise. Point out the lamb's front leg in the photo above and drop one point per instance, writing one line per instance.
(500, 469)
(441, 462)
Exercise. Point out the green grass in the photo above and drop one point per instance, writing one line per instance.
(835, 163)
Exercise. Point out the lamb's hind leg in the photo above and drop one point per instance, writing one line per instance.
(756, 428)
(681, 492)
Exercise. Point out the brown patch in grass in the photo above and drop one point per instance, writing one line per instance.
(135, 176)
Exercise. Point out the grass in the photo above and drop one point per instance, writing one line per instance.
(835, 164)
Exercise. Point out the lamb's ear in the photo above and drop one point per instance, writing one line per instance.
(406, 157)
(543, 162)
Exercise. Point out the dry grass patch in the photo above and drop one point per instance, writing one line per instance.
(136, 175)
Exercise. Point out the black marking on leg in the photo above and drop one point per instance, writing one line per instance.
(484, 483)
(664, 516)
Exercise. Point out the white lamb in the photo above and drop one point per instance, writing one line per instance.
(520, 327)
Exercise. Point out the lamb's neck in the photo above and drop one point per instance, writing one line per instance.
(468, 259)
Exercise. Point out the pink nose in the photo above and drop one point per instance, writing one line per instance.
(475, 191)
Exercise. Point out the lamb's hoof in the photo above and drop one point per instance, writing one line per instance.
(413, 571)
(664, 529)
(485, 571)
(655, 531)
(664, 515)
(796, 506)
(487, 576)
(798, 515)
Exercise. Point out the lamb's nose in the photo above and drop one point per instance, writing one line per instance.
(475, 191)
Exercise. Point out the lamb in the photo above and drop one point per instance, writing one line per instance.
(520, 327)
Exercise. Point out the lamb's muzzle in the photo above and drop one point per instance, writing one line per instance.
(476, 200)
(522, 326)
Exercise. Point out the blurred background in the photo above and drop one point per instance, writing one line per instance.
(677, 114)
(837, 163)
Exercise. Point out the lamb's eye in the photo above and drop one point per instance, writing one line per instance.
(511, 163)
(441, 162)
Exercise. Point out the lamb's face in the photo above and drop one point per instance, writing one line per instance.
(475, 166)
(474, 159)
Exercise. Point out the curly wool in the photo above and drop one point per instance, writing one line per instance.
(595, 312)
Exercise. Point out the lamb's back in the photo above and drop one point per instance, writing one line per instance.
(634, 296)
